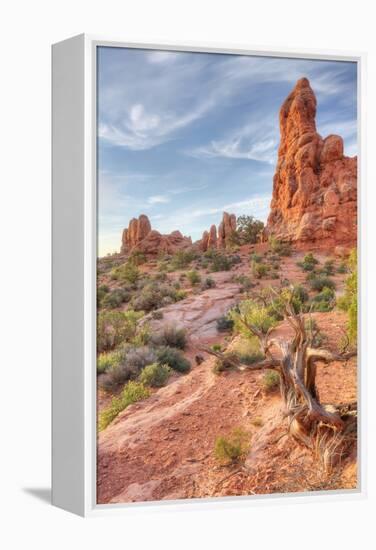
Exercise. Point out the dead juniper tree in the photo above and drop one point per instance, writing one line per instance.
(325, 428)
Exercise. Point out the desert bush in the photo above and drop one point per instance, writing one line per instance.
(128, 273)
(324, 300)
(107, 361)
(342, 268)
(220, 262)
(208, 283)
(183, 258)
(102, 290)
(225, 363)
(259, 270)
(349, 301)
(154, 295)
(179, 294)
(256, 258)
(224, 323)
(116, 327)
(328, 268)
(216, 347)
(173, 358)
(115, 298)
(309, 262)
(131, 361)
(254, 314)
(233, 448)
(279, 247)
(319, 282)
(248, 350)
(170, 336)
(245, 282)
(270, 380)
(155, 375)
(137, 257)
(133, 392)
(193, 277)
(157, 315)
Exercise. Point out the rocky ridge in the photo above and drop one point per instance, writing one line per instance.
(140, 237)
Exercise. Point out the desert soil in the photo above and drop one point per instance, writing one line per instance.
(162, 448)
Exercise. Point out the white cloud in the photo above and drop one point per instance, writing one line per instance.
(162, 56)
(139, 130)
(158, 199)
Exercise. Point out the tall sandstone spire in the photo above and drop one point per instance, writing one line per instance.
(315, 185)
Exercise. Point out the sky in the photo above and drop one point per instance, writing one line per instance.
(184, 136)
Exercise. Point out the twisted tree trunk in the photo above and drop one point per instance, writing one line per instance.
(324, 428)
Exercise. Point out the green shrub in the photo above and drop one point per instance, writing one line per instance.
(133, 392)
(155, 295)
(248, 230)
(233, 448)
(324, 300)
(349, 301)
(170, 336)
(173, 358)
(216, 347)
(220, 262)
(279, 247)
(115, 298)
(328, 268)
(224, 323)
(245, 282)
(107, 361)
(342, 268)
(180, 294)
(309, 262)
(116, 327)
(137, 257)
(318, 283)
(208, 283)
(259, 270)
(256, 258)
(183, 258)
(131, 361)
(270, 380)
(254, 314)
(157, 315)
(127, 272)
(225, 363)
(193, 277)
(155, 375)
(102, 290)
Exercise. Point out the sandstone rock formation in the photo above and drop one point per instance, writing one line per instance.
(212, 240)
(219, 239)
(140, 237)
(315, 185)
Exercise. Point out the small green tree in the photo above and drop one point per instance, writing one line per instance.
(249, 229)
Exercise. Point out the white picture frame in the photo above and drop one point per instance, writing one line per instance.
(74, 276)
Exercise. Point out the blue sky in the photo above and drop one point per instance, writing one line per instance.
(183, 136)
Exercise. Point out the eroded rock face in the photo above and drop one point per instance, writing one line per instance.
(139, 236)
(212, 240)
(219, 239)
(315, 185)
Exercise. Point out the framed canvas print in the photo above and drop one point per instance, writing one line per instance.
(207, 232)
